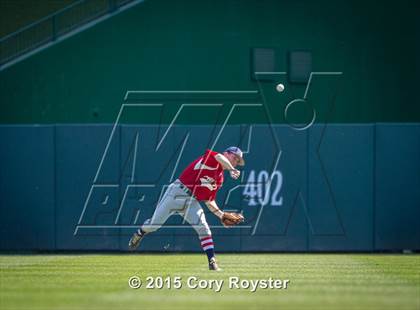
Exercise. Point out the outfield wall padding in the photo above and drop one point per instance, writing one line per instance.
(335, 187)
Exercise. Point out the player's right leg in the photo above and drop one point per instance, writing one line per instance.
(163, 210)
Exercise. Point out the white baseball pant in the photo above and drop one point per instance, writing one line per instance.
(177, 201)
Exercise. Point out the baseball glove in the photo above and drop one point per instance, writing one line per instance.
(230, 219)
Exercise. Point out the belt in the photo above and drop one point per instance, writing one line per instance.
(184, 188)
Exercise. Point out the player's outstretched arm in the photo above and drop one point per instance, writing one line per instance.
(212, 205)
(228, 219)
(234, 173)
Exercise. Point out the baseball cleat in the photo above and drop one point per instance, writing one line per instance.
(134, 241)
(213, 265)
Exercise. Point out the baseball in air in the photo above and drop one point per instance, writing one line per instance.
(280, 87)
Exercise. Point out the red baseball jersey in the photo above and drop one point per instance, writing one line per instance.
(204, 176)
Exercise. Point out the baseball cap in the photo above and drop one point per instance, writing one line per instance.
(238, 152)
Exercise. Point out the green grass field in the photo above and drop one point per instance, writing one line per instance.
(317, 281)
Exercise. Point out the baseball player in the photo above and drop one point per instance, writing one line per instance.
(199, 182)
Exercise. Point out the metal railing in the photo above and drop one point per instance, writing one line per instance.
(51, 27)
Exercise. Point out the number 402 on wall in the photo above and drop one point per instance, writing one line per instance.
(264, 189)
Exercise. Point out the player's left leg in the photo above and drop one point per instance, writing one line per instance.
(165, 208)
(195, 216)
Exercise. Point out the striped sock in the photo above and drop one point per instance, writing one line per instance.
(208, 246)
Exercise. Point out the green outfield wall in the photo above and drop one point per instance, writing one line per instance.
(206, 45)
